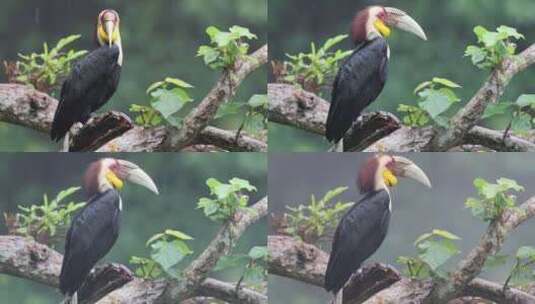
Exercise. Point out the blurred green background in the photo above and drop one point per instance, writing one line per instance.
(160, 38)
(415, 208)
(449, 24)
(180, 178)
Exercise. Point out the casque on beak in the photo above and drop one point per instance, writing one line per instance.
(400, 19)
(109, 28)
(134, 174)
(404, 167)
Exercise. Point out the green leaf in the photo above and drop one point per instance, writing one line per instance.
(155, 237)
(435, 103)
(509, 184)
(254, 275)
(495, 109)
(477, 54)
(168, 102)
(210, 207)
(437, 253)
(219, 189)
(510, 32)
(480, 31)
(232, 261)
(521, 122)
(422, 86)
(155, 86)
(168, 254)
(229, 108)
(445, 234)
(242, 32)
(258, 252)
(178, 83)
(526, 100)
(445, 82)
(526, 253)
(239, 184)
(178, 235)
(257, 101)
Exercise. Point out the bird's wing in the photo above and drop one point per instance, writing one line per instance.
(358, 235)
(78, 91)
(92, 233)
(359, 81)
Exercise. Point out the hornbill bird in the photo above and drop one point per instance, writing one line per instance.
(362, 76)
(95, 228)
(93, 80)
(363, 228)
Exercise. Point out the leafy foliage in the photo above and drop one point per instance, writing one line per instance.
(310, 70)
(226, 199)
(523, 271)
(493, 47)
(493, 199)
(434, 250)
(168, 249)
(252, 266)
(46, 222)
(254, 114)
(225, 48)
(311, 221)
(45, 70)
(167, 98)
(519, 112)
(435, 98)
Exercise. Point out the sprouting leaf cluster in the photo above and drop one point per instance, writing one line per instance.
(493, 47)
(519, 113)
(226, 198)
(434, 250)
(46, 222)
(252, 266)
(45, 70)
(311, 221)
(254, 114)
(435, 98)
(311, 70)
(493, 199)
(167, 250)
(167, 98)
(225, 48)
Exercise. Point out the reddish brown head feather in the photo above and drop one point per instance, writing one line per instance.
(366, 176)
(358, 27)
(91, 178)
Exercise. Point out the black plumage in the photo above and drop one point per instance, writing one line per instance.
(93, 232)
(359, 82)
(358, 235)
(90, 85)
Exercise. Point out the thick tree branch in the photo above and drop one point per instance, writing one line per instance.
(25, 258)
(490, 244)
(107, 132)
(306, 263)
(375, 131)
(223, 90)
(222, 244)
(490, 92)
